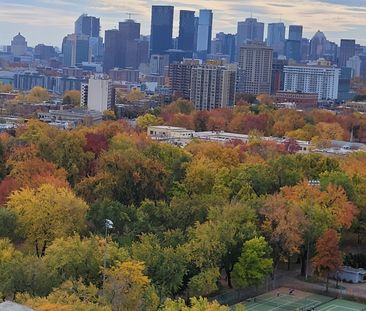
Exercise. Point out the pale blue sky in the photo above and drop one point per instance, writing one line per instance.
(48, 21)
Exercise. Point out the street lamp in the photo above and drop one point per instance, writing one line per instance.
(108, 224)
(312, 183)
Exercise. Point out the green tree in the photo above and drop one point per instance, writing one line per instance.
(254, 263)
(166, 266)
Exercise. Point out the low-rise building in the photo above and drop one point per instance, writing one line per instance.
(71, 118)
(302, 100)
(169, 132)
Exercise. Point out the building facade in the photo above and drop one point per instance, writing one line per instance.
(180, 78)
(186, 30)
(276, 37)
(18, 45)
(204, 34)
(161, 29)
(99, 93)
(322, 80)
(213, 86)
(255, 62)
(346, 51)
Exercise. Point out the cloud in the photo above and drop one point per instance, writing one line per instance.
(337, 18)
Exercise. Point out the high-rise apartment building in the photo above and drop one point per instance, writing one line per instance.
(255, 63)
(346, 51)
(18, 45)
(186, 30)
(180, 77)
(87, 25)
(276, 37)
(99, 93)
(161, 29)
(204, 34)
(322, 80)
(213, 86)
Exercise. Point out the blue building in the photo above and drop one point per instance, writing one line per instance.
(161, 29)
(186, 30)
(204, 35)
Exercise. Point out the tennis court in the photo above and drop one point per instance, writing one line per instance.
(341, 305)
(284, 299)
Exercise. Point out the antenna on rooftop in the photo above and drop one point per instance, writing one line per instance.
(130, 14)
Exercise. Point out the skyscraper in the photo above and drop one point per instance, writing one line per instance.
(123, 47)
(295, 32)
(186, 30)
(161, 29)
(346, 51)
(75, 49)
(276, 37)
(293, 44)
(318, 45)
(204, 34)
(18, 45)
(255, 62)
(249, 31)
(87, 25)
(112, 57)
(224, 44)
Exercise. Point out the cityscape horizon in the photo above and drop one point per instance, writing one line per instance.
(327, 16)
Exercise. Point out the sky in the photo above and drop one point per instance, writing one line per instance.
(48, 21)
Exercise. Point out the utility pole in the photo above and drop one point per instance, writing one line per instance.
(108, 226)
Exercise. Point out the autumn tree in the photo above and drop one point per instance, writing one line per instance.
(283, 224)
(69, 296)
(328, 257)
(127, 288)
(134, 95)
(5, 88)
(196, 304)
(74, 258)
(147, 120)
(36, 95)
(71, 98)
(47, 213)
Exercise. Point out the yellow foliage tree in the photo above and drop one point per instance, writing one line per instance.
(47, 213)
(135, 94)
(6, 88)
(72, 98)
(147, 120)
(70, 296)
(126, 287)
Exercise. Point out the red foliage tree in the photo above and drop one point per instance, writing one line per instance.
(328, 257)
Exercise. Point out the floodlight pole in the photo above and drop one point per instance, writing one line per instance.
(312, 183)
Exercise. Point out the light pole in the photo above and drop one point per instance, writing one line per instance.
(312, 183)
(108, 226)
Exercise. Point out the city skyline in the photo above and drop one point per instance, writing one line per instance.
(343, 19)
